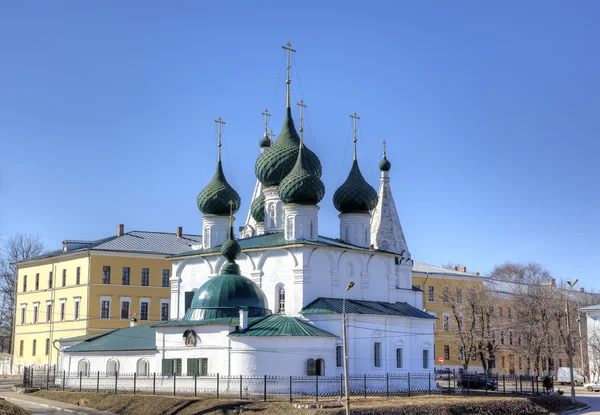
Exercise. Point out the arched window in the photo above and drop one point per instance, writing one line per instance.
(320, 367)
(272, 215)
(346, 234)
(311, 367)
(142, 367)
(83, 367)
(350, 269)
(312, 230)
(281, 300)
(189, 336)
(290, 228)
(366, 236)
(112, 367)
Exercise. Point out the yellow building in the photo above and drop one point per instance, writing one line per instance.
(435, 284)
(92, 286)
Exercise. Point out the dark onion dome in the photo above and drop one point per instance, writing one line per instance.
(301, 185)
(265, 141)
(355, 195)
(223, 295)
(257, 208)
(277, 162)
(384, 164)
(214, 198)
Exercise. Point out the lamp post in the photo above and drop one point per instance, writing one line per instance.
(569, 345)
(346, 380)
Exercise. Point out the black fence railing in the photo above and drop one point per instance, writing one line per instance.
(284, 388)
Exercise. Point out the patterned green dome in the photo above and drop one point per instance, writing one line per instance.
(355, 195)
(265, 141)
(214, 198)
(301, 186)
(257, 208)
(277, 162)
(222, 296)
(384, 164)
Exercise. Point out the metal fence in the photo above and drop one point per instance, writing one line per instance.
(285, 388)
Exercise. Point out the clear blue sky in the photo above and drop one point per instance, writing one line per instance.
(491, 112)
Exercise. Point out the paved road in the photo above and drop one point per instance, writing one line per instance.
(591, 398)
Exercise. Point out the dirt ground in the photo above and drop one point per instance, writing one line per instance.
(423, 405)
(7, 408)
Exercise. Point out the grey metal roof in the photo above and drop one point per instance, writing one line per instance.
(324, 305)
(591, 308)
(420, 267)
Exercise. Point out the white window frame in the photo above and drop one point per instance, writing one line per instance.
(62, 316)
(49, 317)
(165, 301)
(444, 317)
(36, 312)
(109, 299)
(76, 306)
(377, 355)
(121, 301)
(23, 314)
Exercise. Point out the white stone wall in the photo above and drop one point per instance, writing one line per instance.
(215, 230)
(301, 222)
(593, 335)
(355, 228)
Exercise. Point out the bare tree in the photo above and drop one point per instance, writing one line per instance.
(19, 247)
(452, 265)
(531, 273)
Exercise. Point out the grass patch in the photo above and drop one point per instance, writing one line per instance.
(7, 408)
(422, 405)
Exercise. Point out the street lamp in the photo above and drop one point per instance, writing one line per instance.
(569, 345)
(346, 381)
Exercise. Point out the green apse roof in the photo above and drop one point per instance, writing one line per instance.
(355, 195)
(257, 208)
(301, 185)
(214, 198)
(282, 326)
(277, 162)
(384, 164)
(222, 296)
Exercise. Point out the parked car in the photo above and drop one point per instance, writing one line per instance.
(564, 376)
(477, 381)
(593, 387)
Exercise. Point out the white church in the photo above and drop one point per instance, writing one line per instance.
(270, 302)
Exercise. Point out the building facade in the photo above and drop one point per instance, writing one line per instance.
(91, 287)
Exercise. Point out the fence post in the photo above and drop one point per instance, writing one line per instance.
(537, 385)
(116, 381)
(175, 382)
(217, 386)
(154, 385)
(265, 392)
(290, 389)
(317, 388)
(195, 384)
(449, 384)
(485, 379)
(97, 381)
(241, 382)
(387, 384)
(365, 385)
(521, 383)
(532, 386)
(408, 383)
(341, 385)
(80, 377)
(134, 381)
(64, 372)
(48, 378)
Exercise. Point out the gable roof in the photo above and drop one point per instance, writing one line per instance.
(128, 339)
(324, 305)
(272, 240)
(277, 325)
(86, 337)
(422, 268)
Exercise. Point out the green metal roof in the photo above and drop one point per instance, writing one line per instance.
(282, 326)
(225, 321)
(301, 185)
(257, 208)
(277, 161)
(384, 164)
(128, 339)
(324, 305)
(272, 240)
(355, 195)
(214, 198)
(85, 337)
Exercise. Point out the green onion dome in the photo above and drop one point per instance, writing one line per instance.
(223, 295)
(257, 208)
(214, 198)
(301, 185)
(278, 161)
(265, 141)
(384, 164)
(355, 195)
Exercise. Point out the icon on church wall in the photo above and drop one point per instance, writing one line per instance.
(190, 338)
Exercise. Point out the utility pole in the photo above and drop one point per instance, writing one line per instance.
(569, 343)
(344, 339)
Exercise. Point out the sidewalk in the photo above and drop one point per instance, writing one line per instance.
(37, 405)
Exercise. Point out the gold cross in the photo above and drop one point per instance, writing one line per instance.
(355, 117)
(271, 135)
(220, 123)
(384, 145)
(301, 104)
(267, 115)
(231, 213)
(288, 81)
